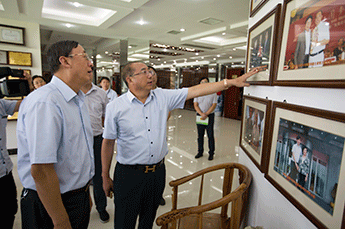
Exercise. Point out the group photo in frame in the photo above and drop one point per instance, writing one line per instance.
(255, 6)
(255, 128)
(306, 161)
(261, 47)
(312, 47)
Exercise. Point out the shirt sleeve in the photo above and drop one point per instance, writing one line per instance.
(214, 98)
(110, 127)
(9, 106)
(176, 98)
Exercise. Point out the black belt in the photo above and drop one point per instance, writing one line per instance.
(145, 168)
(76, 191)
(314, 54)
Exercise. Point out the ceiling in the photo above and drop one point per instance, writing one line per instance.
(214, 30)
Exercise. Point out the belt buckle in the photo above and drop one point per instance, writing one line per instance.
(153, 169)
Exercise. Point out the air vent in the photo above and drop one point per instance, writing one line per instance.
(211, 21)
(175, 32)
(198, 46)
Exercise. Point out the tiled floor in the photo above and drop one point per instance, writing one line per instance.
(181, 133)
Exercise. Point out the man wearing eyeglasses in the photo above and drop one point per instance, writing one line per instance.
(55, 144)
(137, 120)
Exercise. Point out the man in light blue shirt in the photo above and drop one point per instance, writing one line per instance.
(55, 155)
(137, 119)
(105, 84)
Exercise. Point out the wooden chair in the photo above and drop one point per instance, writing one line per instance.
(197, 216)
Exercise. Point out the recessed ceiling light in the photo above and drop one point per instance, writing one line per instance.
(182, 29)
(230, 57)
(106, 52)
(76, 4)
(68, 25)
(129, 46)
(234, 49)
(214, 58)
(197, 53)
(202, 57)
(223, 34)
(218, 55)
(141, 22)
(98, 56)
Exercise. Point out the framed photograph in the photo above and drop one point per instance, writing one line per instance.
(255, 6)
(12, 35)
(254, 129)
(312, 48)
(261, 47)
(306, 161)
(19, 58)
(3, 57)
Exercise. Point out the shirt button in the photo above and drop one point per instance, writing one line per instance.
(147, 117)
(151, 142)
(148, 129)
(151, 155)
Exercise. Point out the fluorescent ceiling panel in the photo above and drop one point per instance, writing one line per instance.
(1, 7)
(142, 56)
(65, 11)
(220, 41)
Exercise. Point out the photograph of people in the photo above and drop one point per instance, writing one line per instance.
(296, 153)
(319, 39)
(303, 46)
(303, 167)
(254, 128)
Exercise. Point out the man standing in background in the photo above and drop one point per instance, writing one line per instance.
(303, 45)
(96, 101)
(105, 84)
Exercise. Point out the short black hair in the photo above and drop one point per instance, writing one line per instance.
(202, 78)
(128, 70)
(60, 48)
(104, 78)
(298, 137)
(37, 76)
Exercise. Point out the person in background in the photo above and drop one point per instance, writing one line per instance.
(55, 139)
(205, 107)
(139, 176)
(8, 191)
(38, 81)
(96, 101)
(339, 49)
(153, 72)
(105, 84)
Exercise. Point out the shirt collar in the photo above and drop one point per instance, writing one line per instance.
(131, 97)
(65, 90)
(93, 88)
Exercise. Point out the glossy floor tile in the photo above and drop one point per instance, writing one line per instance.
(182, 137)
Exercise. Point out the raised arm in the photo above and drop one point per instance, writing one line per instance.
(209, 88)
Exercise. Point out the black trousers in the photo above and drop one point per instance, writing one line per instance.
(98, 192)
(137, 194)
(210, 134)
(35, 216)
(9, 203)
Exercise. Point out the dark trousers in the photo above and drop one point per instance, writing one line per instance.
(137, 194)
(9, 205)
(98, 192)
(35, 216)
(306, 61)
(301, 179)
(210, 134)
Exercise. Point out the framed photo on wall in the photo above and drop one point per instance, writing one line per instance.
(12, 35)
(254, 129)
(311, 51)
(261, 47)
(3, 57)
(306, 161)
(255, 6)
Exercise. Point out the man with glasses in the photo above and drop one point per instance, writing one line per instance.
(138, 121)
(55, 139)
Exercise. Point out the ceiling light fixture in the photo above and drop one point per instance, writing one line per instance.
(230, 57)
(223, 34)
(68, 25)
(76, 4)
(106, 52)
(141, 22)
(182, 29)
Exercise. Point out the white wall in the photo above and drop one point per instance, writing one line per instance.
(32, 45)
(268, 207)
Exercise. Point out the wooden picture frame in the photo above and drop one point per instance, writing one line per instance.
(261, 47)
(316, 182)
(316, 28)
(255, 129)
(3, 57)
(19, 58)
(255, 6)
(12, 35)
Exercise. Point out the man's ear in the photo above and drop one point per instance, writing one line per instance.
(128, 79)
(64, 61)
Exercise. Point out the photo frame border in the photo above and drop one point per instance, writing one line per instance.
(262, 165)
(22, 42)
(331, 83)
(275, 30)
(257, 8)
(328, 115)
(6, 55)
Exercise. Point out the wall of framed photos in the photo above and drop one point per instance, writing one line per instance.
(285, 206)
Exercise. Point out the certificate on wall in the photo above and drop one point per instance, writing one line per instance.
(19, 58)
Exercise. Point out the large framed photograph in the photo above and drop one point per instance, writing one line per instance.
(3, 57)
(312, 48)
(306, 161)
(12, 35)
(254, 129)
(261, 47)
(255, 6)
(19, 58)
